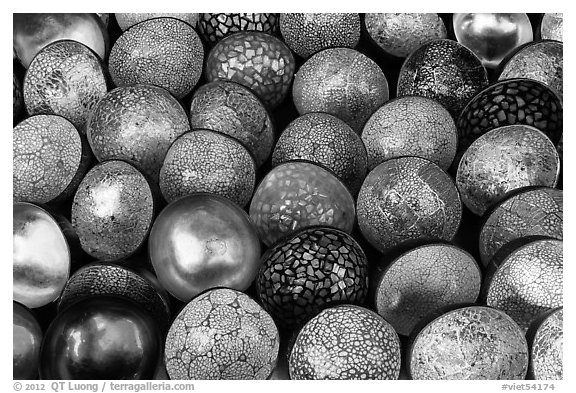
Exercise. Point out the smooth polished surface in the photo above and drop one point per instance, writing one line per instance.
(27, 338)
(41, 257)
(101, 338)
(32, 32)
(202, 241)
(492, 36)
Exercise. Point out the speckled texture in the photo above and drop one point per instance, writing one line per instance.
(324, 139)
(509, 102)
(546, 351)
(295, 195)
(234, 110)
(424, 280)
(256, 60)
(528, 281)
(309, 33)
(17, 98)
(346, 342)
(552, 26)
(215, 26)
(164, 52)
(112, 210)
(308, 271)
(222, 334)
(532, 212)
(114, 280)
(342, 82)
(207, 161)
(46, 156)
(443, 70)
(399, 34)
(126, 20)
(406, 200)
(137, 124)
(541, 61)
(503, 160)
(65, 78)
(410, 126)
(472, 343)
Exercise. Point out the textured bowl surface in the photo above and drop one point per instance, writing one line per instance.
(473, 343)
(305, 272)
(222, 334)
(137, 124)
(407, 200)
(295, 195)
(527, 281)
(256, 60)
(112, 210)
(67, 79)
(208, 161)
(423, 280)
(342, 82)
(502, 160)
(234, 110)
(532, 212)
(164, 52)
(443, 70)
(324, 139)
(346, 342)
(410, 126)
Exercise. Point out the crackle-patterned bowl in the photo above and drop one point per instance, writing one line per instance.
(222, 334)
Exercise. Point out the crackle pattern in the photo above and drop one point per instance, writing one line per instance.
(472, 343)
(112, 210)
(164, 52)
(400, 34)
(17, 98)
(445, 71)
(215, 26)
(410, 126)
(528, 281)
(221, 334)
(309, 270)
(532, 212)
(346, 342)
(552, 26)
(408, 199)
(46, 155)
(423, 280)
(509, 102)
(295, 195)
(342, 82)
(309, 33)
(126, 20)
(541, 61)
(207, 161)
(137, 124)
(547, 348)
(324, 139)
(108, 279)
(256, 60)
(502, 160)
(234, 110)
(65, 78)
